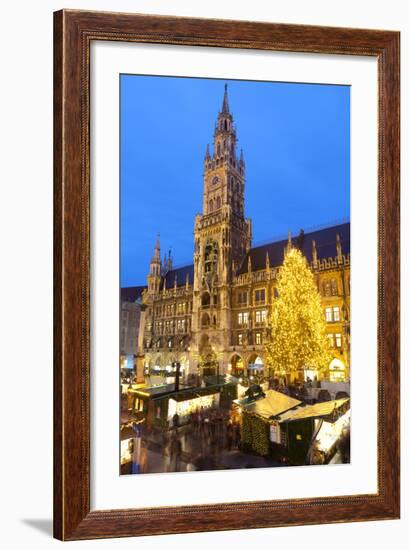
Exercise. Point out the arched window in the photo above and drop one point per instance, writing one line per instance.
(211, 205)
(334, 287)
(205, 320)
(226, 125)
(218, 202)
(218, 148)
(205, 299)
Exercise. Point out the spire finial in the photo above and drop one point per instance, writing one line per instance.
(225, 104)
(289, 241)
(157, 250)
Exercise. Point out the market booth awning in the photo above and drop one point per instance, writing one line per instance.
(328, 410)
(273, 404)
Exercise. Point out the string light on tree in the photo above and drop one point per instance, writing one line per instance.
(298, 330)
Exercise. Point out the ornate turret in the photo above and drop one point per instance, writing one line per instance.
(154, 276)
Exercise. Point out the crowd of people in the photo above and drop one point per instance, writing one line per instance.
(201, 438)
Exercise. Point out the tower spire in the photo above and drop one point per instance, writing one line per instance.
(289, 247)
(225, 104)
(207, 153)
(157, 250)
(154, 276)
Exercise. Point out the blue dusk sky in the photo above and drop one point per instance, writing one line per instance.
(296, 144)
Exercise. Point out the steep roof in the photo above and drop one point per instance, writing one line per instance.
(318, 410)
(273, 404)
(325, 240)
(180, 273)
(131, 293)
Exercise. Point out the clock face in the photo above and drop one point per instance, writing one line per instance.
(215, 180)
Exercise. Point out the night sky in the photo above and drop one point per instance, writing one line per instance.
(296, 143)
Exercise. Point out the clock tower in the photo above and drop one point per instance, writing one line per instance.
(222, 238)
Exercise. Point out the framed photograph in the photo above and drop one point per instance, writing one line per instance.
(226, 275)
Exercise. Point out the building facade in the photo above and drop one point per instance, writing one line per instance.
(130, 322)
(213, 315)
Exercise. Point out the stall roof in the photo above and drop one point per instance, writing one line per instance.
(222, 381)
(153, 391)
(193, 393)
(314, 411)
(168, 390)
(273, 404)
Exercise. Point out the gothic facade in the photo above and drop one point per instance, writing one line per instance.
(212, 316)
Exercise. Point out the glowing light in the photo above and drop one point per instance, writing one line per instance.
(125, 451)
(184, 408)
(330, 432)
(299, 340)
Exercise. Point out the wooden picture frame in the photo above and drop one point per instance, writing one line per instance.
(74, 32)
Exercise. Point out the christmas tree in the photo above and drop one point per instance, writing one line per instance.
(298, 330)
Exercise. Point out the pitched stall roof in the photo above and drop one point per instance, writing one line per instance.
(325, 240)
(131, 293)
(318, 410)
(180, 274)
(273, 404)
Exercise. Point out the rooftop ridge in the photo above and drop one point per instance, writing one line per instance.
(307, 231)
(180, 266)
